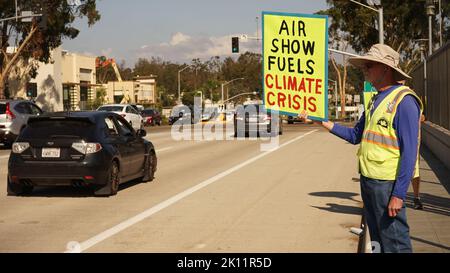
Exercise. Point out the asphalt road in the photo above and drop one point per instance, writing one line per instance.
(208, 196)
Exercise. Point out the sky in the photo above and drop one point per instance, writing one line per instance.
(177, 30)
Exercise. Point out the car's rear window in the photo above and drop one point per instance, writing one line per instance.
(111, 108)
(47, 129)
(2, 108)
(148, 112)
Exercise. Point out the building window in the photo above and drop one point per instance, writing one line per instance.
(84, 94)
(66, 97)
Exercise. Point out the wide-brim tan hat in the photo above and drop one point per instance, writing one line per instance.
(383, 54)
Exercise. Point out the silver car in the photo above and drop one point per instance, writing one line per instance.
(14, 115)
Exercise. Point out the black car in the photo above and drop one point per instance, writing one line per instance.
(96, 149)
(292, 119)
(151, 117)
(183, 114)
(255, 120)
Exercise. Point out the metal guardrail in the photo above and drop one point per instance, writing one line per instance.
(434, 88)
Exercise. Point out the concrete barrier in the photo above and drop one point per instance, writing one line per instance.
(437, 139)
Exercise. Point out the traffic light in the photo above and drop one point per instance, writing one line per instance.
(32, 90)
(235, 44)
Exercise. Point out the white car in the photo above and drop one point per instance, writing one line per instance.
(127, 111)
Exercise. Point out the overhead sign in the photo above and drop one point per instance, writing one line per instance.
(295, 63)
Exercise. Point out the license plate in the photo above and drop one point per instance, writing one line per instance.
(253, 120)
(50, 152)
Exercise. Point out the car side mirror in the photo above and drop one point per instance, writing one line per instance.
(141, 133)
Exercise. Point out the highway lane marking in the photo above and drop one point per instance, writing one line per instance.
(157, 134)
(163, 149)
(74, 247)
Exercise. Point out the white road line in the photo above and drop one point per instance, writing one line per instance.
(157, 134)
(138, 218)
(163, 149)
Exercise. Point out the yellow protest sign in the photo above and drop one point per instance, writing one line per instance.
(295, 63)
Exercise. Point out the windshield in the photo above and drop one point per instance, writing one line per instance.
(147, 112)
(110, 108)
(2, 108)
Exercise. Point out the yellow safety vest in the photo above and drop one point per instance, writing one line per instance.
(367, 97)
(379, 152)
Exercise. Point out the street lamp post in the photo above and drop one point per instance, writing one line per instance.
(430, 12)
(201, 97)
(422, 47)
(228, 82)
(238, 95)
(179, 84)
(380, 19)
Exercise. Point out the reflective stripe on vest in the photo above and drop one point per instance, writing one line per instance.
(381, 140)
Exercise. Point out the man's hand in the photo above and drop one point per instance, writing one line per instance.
(327, 124)
(395, 205)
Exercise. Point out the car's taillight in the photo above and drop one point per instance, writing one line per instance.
(19, 147)
(86, 147)
(9, 115)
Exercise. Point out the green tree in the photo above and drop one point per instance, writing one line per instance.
(405, 21)
(354, 26)
(188, 98)
(206, 76)
(36, 40)
(100, 99)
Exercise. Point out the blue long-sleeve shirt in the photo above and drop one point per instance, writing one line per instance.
(406, 124)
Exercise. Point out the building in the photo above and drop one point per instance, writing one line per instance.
(78, 81)
(141, 90)
(68, 82)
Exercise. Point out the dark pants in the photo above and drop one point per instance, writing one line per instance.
(392, 234)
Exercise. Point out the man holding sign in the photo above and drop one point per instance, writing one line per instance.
(295, 63)
(388, 155)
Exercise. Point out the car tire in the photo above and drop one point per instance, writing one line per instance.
(150, 167)
(14, 189)
(113, 178)
(290, 122)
